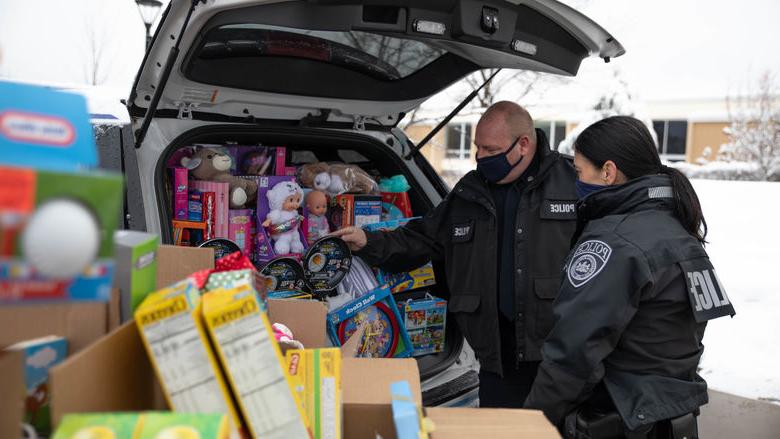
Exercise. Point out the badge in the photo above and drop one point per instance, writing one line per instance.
(707, 297)
(462, 231)
(587, 262)
(558, 210)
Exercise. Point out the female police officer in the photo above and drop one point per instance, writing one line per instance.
(638, 289)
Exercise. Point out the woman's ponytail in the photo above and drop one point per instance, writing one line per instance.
(686, 204)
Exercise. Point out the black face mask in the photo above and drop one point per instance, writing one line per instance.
(496, 167)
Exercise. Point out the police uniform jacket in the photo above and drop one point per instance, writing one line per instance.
(461, 232)
(631, 313)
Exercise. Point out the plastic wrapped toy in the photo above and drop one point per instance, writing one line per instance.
(283, 220)
(337, 179)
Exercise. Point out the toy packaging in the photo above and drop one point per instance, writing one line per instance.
(221, 193)
(253, 363)
(355, 210)
(249, 160)
(316, 378)
(240, 229)
(289, 295)
(136, 273)
(180, 194)
(336, 178)
(278, 229)
(425, 321)
(395, 198)
(171, 326)
(419, 278)
(40, 355)
(195, 206)
(388, 225)
(45, 129)
(386, 334)
(145, 425)
(78, 212)
(407, 415)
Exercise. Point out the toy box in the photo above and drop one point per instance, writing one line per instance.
(240, 229)
(40, 355)
(385, 335)
(42, 128)
(355, 210)
(180, 194)
(251, 160)
(171, 326)
(281, 163)
(316, 377)
(66, 223)
(399, 282)
(221, 207)
(264, 248)
(425, 321)
(253, 363)
(146, 425)
(136, 268)
(388, 225)
(289, 295)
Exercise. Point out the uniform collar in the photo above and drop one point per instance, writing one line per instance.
(643, 193)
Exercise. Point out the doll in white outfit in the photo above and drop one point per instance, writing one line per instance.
(283, 220)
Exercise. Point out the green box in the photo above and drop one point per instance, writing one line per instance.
(136, 268)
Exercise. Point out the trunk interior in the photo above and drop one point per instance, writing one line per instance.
(310, 145)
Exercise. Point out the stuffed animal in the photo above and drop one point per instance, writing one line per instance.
(337, 179)
(285, 338)
(211, 165)
(283, 220)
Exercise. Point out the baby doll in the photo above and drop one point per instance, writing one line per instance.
(317, 205)
(283, 220)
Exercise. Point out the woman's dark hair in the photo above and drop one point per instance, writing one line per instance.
(627, 142)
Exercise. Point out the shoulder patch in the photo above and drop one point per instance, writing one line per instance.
(587, 262)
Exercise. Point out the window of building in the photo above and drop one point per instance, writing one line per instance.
(672, 137)
(458, 141)
(555, 131)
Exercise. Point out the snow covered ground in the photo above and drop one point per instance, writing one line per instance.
(742, 355)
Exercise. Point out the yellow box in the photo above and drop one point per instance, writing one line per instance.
(171, 326)
(253, 363)
(316, 376)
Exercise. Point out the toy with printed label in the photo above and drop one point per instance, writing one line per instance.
(265, 243)
(283, 220)
(180, 194)
(426, 321)
(355, 210)
(418, 278)
(316, 377)
(240, 229)
(40, 355)
(385, 336)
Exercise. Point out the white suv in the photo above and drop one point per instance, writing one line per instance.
(330, 80)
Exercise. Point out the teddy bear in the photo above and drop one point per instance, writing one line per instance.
(211, 165)
(336, 179)
(283, 220)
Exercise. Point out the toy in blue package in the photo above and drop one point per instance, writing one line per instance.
(422, 277)
(425, 320)
(385, 335)
(45, 129)
(388, 225)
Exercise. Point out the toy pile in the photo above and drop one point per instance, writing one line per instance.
(247, 198)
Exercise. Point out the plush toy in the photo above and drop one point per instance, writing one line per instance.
(283, 220)
(336, 179)
(317, 206)
(284, 337)
(211, 165)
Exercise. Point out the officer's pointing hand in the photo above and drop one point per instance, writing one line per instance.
(355, 237)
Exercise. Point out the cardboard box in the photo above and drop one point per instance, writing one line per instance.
(13, 393)
(176, 263)
(468, 423)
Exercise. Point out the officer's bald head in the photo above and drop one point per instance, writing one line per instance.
(509, 117)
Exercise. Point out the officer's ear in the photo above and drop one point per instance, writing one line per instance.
(610, 174)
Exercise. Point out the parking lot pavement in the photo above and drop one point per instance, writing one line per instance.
(729, 416)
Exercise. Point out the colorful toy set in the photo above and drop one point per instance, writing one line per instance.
(425, 320)
(146, 425)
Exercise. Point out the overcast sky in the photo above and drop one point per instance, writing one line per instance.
(675, 48)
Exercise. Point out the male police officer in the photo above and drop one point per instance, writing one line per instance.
(502, 235)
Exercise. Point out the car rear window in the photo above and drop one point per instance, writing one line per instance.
(379, 56)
